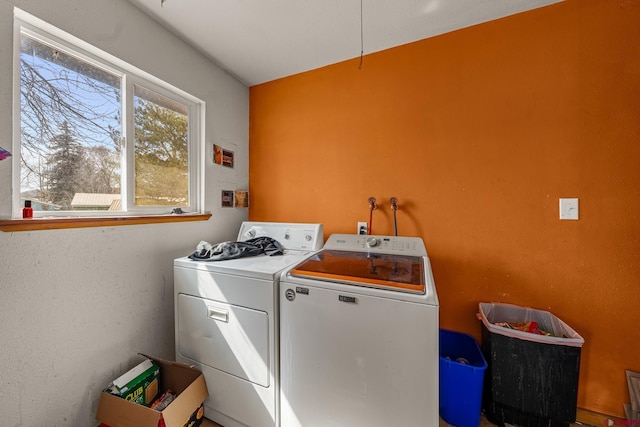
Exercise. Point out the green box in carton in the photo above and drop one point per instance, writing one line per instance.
(141, 384)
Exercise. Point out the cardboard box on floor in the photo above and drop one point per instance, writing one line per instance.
(187, 381)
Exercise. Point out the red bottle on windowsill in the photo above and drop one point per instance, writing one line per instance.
(27, 211)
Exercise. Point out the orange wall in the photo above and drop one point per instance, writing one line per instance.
(478, 133)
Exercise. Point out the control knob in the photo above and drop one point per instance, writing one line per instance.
(372, 242)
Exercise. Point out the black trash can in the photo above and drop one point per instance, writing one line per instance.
(531, 379)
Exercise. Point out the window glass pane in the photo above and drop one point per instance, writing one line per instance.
(161, 150)
(70, 131)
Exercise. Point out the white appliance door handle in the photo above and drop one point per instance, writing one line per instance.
(218, 314)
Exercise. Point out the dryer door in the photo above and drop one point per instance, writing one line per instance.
(227, 337)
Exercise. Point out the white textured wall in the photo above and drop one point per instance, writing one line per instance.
(77, 305)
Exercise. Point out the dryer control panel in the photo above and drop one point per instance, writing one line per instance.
(293, 236)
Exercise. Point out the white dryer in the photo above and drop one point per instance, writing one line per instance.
(226, 319)
(359, 335)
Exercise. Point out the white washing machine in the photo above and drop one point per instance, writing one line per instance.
(226, 319)
(359, 335)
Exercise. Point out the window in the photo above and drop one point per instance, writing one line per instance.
(98, 137)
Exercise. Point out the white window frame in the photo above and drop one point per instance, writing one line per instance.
(130, 75)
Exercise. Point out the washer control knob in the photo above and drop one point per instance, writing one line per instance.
(287, 236)
(307, 237)
(251, 233)
(371, 242)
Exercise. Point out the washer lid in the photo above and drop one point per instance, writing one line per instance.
(402, 273)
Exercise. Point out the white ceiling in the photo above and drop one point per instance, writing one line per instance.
(262, 40)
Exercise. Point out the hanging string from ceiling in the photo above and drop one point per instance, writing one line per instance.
(162, 2)
(361, 38)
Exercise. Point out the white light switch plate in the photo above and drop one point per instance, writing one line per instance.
(569, 209)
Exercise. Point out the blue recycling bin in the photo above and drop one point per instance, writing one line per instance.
(462, 368)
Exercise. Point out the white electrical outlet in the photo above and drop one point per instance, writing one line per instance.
(569, 209)
(363, 227)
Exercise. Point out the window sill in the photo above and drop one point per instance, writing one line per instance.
(11, 225)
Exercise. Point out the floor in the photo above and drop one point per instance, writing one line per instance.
(483, 423)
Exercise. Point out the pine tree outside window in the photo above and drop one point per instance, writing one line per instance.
(98, 137)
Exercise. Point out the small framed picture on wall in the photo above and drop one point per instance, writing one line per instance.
(217, 154)
(242, 199)
(227, 158)
(227, 199)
